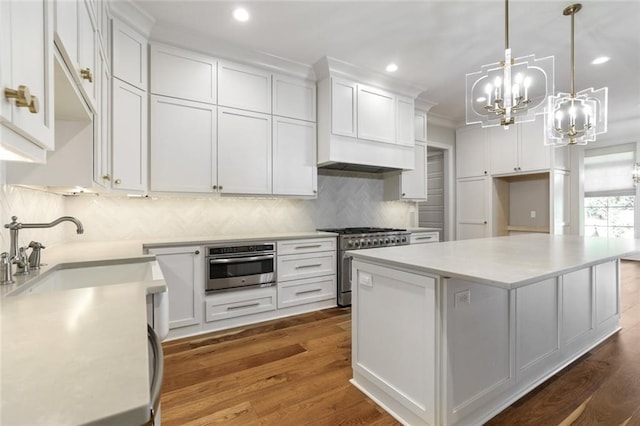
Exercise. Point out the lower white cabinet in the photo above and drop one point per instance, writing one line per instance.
(183, 145)
(296, 266)
(239, 303)
(424, 237)
(183, 270)
(244, 152)
(295, 168)
(473, 209)
(309, 290)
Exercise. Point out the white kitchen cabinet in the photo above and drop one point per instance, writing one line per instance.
(295, 169)
(607, 293)
(26, 59)
(306, 265)
(420, 121)
(129, 56)
(183, 269)
(102, 121)
(405, 127)
(409, 184)
(424, 237)
(129, 137)
(344, 98)
(243, 87)
(236, 304)
(376, 114)
(472, 153)
(183, 74)
(503, 149)
(244, 152)
(294, 98)
(66, 29)
(182, 145)
(103, 26)
(473, 197)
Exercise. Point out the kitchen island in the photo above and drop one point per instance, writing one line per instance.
(454, 332)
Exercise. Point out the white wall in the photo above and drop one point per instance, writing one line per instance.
(343, 200)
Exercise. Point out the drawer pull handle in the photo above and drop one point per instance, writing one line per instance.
(424, 238)
(315, 290)
(315, 265)
(250, 305)
(309, 246)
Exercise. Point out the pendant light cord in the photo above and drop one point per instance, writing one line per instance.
(573, 61)
(506, 24)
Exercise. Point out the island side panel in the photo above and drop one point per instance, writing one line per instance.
(394, 340)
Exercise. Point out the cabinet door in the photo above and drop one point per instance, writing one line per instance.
(420, 120)
(414, 182)
(66, 29)
(87, 53)
(343, 108)
(27, 60)
(503, 149)
(472, 203)
(294, 98)
(129, 142)
(376, 115)
(405, 131)
(129, 55)
(244, 152)
(471, 152)
(294, 157)
(197, 74)
(183, 145)
(244, 87)
(534, 154)
(183, 270)
(102, 138)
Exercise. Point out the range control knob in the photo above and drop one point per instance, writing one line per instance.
(374, 242)
(350, 243)
(404, 239)
(392, 240)
(357, 243)
(364, 243)
(386, 241)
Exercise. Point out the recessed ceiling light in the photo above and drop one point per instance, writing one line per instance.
(392, 68)
(600, 60)
(241, 14)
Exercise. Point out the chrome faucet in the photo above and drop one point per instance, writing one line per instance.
(18, 256)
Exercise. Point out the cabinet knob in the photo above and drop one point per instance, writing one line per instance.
(106, 177)
(485, 172)
(515, 169)
(485, 222)
(215, 187)
(23, 98)
(118, 181)
(220, 188)
(315, 191)
(197, 252)
(86, 74)
(403, 194)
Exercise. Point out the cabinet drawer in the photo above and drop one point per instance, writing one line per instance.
(424, 237)
(306, 246)
(239, 303)
(298, 266)
(299, 292)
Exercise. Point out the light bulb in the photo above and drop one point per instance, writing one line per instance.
(519, 78)
(241, 14)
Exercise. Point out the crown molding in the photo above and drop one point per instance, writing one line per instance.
(132, 15)
(441, 120)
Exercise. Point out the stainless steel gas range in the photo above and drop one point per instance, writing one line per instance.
(359, 239)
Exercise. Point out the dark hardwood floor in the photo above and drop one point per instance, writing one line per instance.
(296, 371)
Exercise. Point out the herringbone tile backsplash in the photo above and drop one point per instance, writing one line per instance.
(344, 199)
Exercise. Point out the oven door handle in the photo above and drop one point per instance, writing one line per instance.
(241, 259)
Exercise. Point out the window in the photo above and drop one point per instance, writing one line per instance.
(609, 192)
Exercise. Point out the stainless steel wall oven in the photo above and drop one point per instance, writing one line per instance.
(234, 267)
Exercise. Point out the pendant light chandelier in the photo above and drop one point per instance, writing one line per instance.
(510, 90)
(576, 118)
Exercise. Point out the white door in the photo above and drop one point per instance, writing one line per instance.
(534, 154)
(471, 152)
(472, 208)
(405, 127)
(414, 182)
(87, 53)
(183, 270)
(183, 145)
(420, 121)
(244, 152)
(503, 149)
(376, 115)
(294, 157)
(244, 87)
(343, 108)
(129, 143)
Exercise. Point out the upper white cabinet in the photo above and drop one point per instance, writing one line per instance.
(344, 98)
(244, 152)
(129, 55)
(420, 120)
(376, 114)
(183, 145)
(179, 73)
(410, 184)
(503, 148)
(244, 87)
(519, 148)
(26, 77)
(129, 138)
(294, 157)
(405, 116)
(471, 152)
(102, 122)
(294, 98)
(87, 56)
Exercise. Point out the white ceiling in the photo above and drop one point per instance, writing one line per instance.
(434, 43)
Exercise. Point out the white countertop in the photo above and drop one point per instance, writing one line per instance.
(506, 262)
(75, 356)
